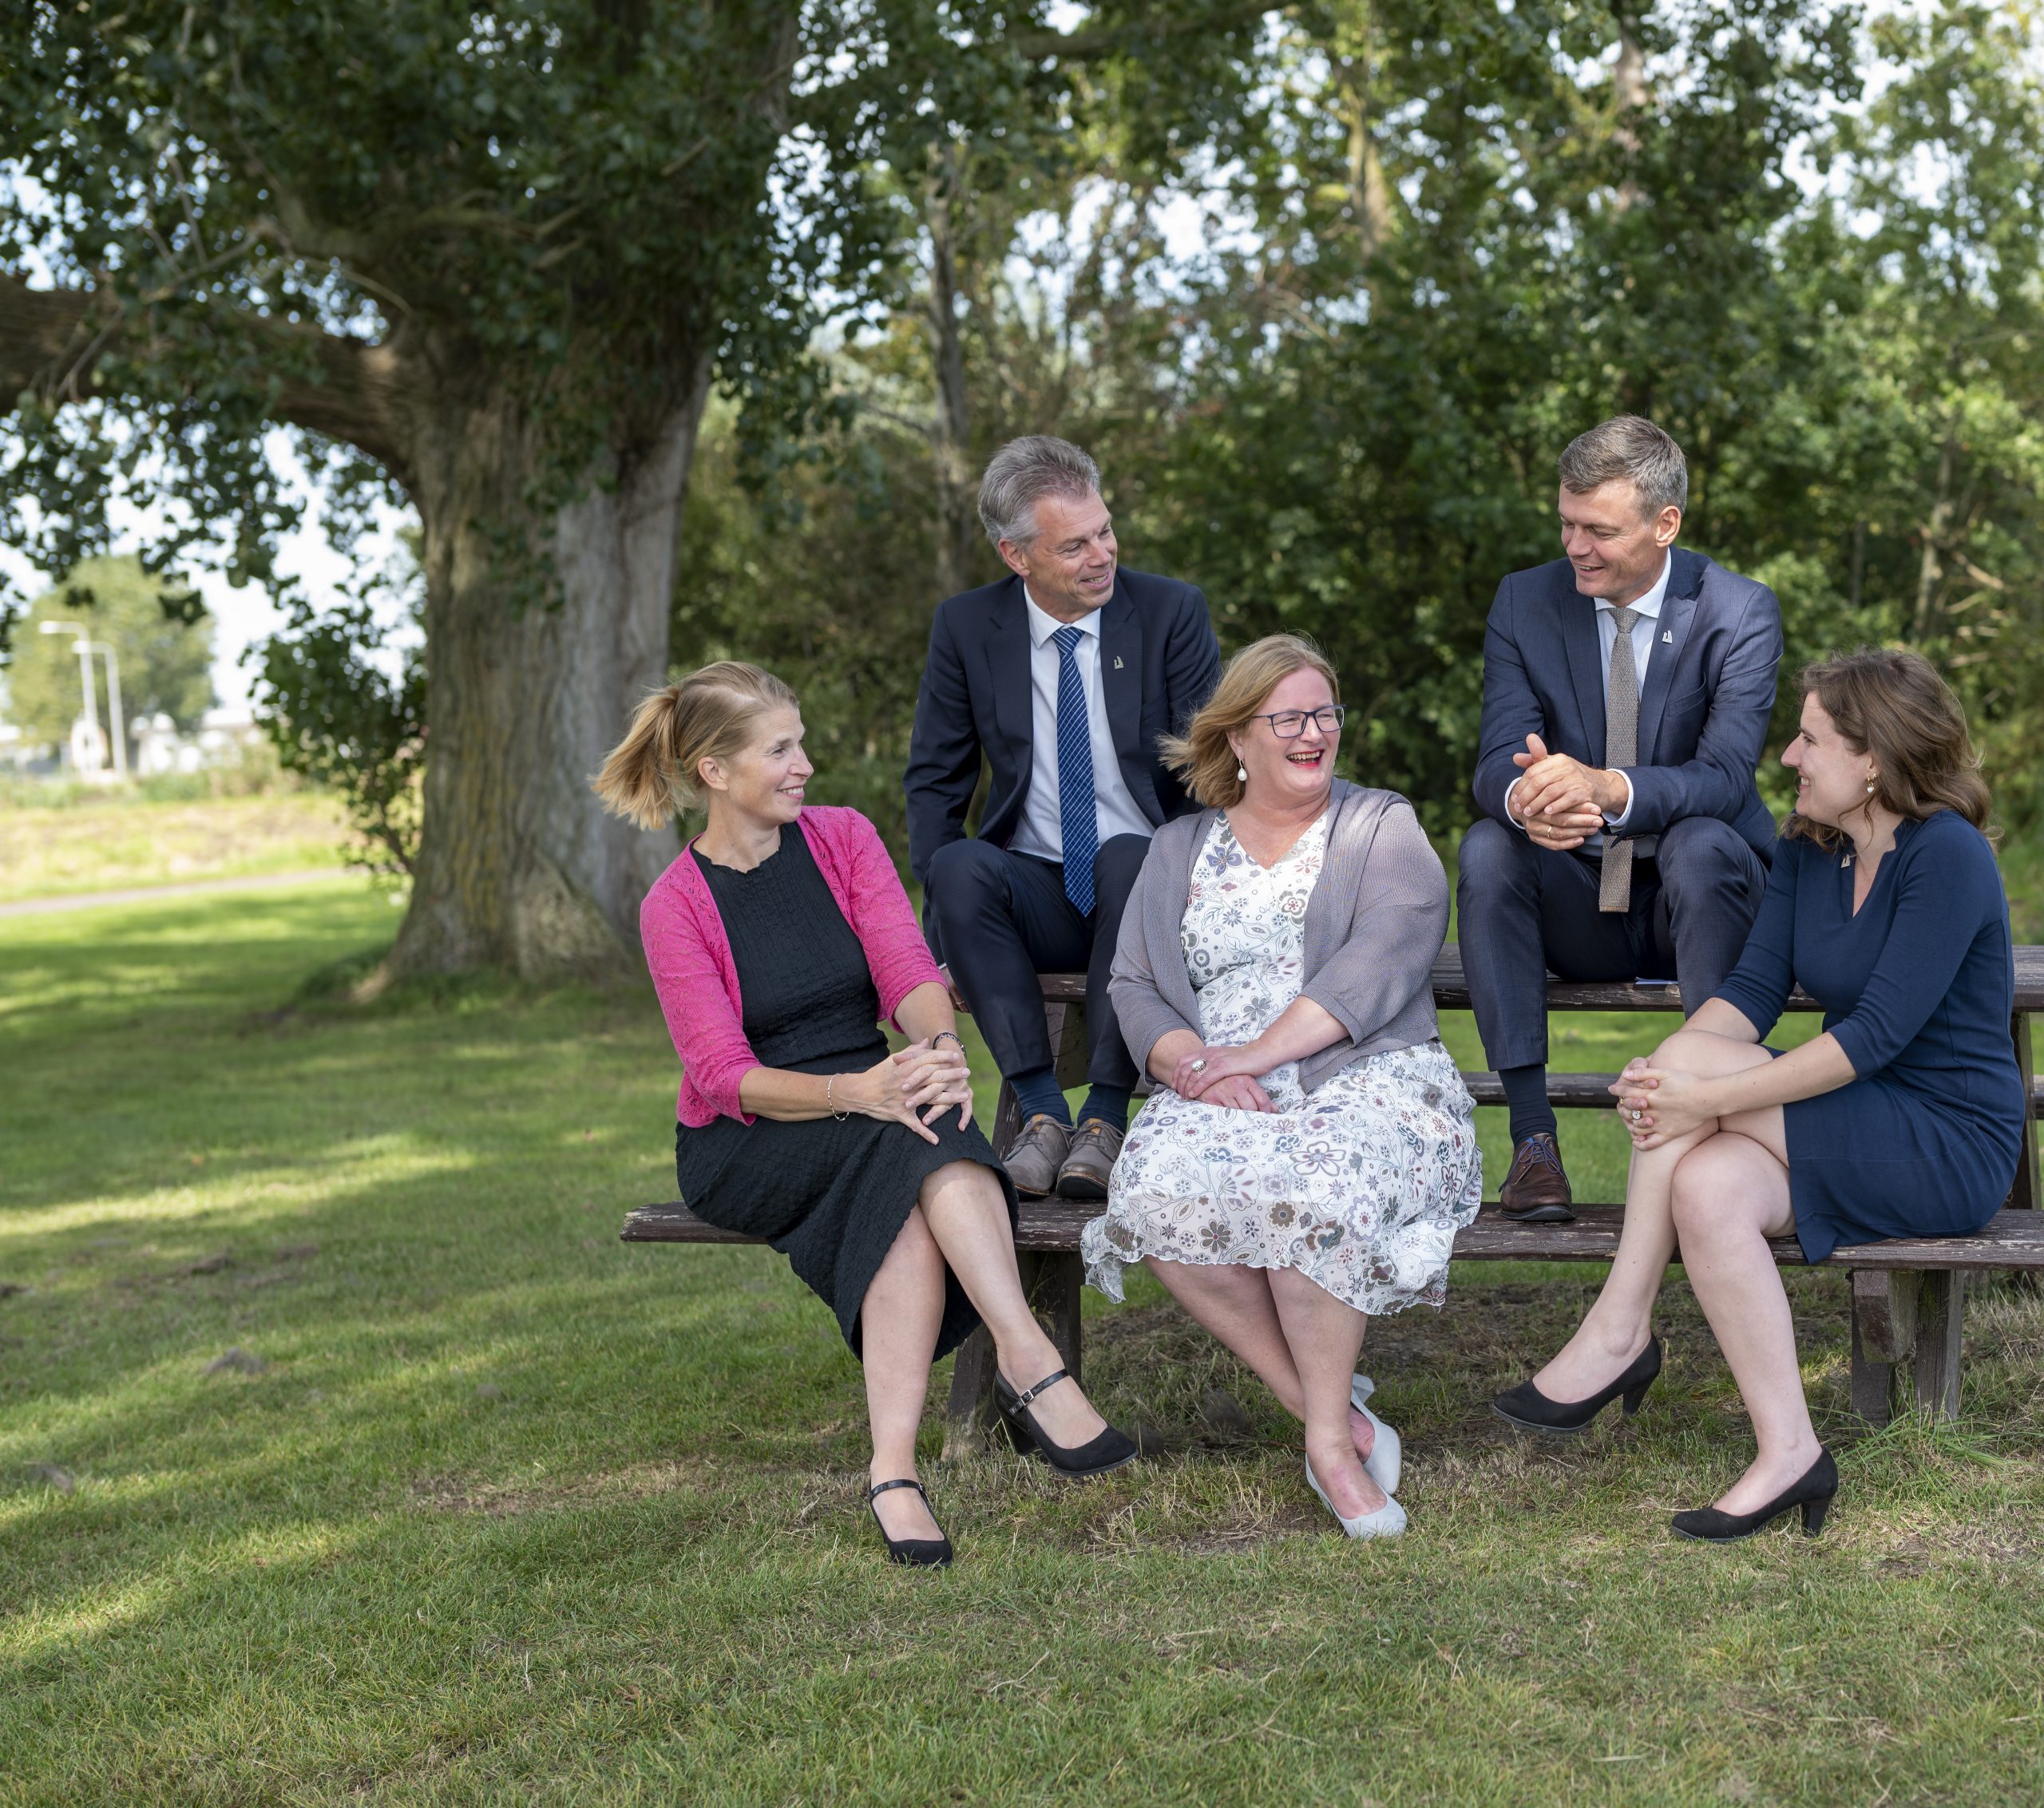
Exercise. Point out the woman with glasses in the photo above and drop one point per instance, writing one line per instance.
(1309, 1153)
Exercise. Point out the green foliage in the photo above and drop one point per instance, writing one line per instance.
(1345, 419)
(338, 716)
(162, 643)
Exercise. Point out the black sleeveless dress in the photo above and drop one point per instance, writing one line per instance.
(831, 1196)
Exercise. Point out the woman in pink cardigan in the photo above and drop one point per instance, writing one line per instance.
(775, 955)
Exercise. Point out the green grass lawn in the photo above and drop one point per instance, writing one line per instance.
(509, 1511)
(126, 839)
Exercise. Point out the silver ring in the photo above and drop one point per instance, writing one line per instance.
(1635, 1117)
(1199, 1066)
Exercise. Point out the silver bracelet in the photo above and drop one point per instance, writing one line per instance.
(953, 1034)
(830, 1104)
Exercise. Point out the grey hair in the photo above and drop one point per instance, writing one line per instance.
(1021, 474)
(1627, 446)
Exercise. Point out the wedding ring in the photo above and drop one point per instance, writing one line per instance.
(1199, 1066)
(1635, 1117)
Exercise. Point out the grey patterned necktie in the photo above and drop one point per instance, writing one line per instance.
(1621, 748)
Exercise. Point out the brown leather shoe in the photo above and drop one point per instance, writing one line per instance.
(1035, 1157)
(1536, 1191)
(1094, 1148)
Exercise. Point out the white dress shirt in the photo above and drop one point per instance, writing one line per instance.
(1644, 636)
(1042, 829)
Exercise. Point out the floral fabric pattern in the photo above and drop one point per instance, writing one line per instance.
(1360, 1185)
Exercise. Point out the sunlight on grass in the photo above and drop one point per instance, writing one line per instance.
(392, 1473)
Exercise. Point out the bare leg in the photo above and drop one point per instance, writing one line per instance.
(1731, 1195)
(898, 1323)
(1234, 1303)
(968, 1216)
(1616, 1328)
(1325, 1337)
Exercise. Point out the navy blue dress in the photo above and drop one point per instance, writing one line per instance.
(1917, 990)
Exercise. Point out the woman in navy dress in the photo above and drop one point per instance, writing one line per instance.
(1903, 1118)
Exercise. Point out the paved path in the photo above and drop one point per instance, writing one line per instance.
(145, 894)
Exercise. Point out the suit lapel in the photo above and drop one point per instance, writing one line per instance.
(1121, 673)
(1586, 663)
(1678, 613)
(1009, 651)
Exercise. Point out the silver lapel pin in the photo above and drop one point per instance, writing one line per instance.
(1117, 662)
(1667, 637)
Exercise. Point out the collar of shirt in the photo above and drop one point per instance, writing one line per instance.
(1042, 626)
(1649, 604)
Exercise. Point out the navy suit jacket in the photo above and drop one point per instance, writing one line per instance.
(1703, 708)
(1158, 663)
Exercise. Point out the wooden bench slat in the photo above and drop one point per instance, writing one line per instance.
(2012, 1240)
(1591, 1092)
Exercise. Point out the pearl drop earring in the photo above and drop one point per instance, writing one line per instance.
(1871, 782)
(1242, 774)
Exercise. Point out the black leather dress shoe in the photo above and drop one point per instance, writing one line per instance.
(918, 1553)
(1527, 1407)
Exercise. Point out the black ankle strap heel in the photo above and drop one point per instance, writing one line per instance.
(1095, 1457)
(919, 1553)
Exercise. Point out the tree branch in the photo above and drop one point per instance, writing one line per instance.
(52, 341)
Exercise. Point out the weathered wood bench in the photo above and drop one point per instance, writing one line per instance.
(1906, 1295)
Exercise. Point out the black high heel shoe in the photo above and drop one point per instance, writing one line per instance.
(1527, 1407)
(921, 1553)
(1812, 1491)
(1095, 1457)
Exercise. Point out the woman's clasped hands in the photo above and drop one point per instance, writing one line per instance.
(1657, 1105)
(1216, 1074)
(914, 1085)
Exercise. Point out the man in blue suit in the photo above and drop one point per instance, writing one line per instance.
(1626, 692)
(1062, 677)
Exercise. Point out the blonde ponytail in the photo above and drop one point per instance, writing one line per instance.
(650, 776)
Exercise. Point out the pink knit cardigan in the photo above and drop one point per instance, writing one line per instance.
(689, 955)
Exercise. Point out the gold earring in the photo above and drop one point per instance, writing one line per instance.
(1871, 782)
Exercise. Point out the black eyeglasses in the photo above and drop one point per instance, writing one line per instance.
(1288, 725)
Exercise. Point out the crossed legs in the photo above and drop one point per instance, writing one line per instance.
(960, 1220)
(1302, 1343)
(1723, 1189)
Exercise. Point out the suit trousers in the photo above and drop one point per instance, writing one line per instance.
(1003, 917)
(1522, 911)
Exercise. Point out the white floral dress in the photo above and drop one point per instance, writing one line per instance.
(1361, 1186)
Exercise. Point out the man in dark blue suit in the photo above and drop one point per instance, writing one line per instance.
(1062, 677)
(1626, 692)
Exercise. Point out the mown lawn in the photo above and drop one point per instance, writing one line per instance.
(509, 1511)
(124, 839)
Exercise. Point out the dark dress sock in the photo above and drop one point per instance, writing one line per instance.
(1039, 1094)
(1109, 1104)
(1526, 1098)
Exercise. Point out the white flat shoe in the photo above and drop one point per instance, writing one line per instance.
(1388, 1522)
(1386, 1462)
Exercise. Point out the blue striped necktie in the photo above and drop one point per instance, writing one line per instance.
(1075, 776)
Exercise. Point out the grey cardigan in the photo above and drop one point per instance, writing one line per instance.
(1377, 917)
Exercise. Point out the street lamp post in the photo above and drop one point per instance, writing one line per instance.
(85, 649)
(116, 723)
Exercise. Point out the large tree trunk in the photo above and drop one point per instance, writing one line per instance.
(519, 867)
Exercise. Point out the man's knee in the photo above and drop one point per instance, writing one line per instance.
(1115, 867)
(965, 874)
(1492, 859)
(1701, 853)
